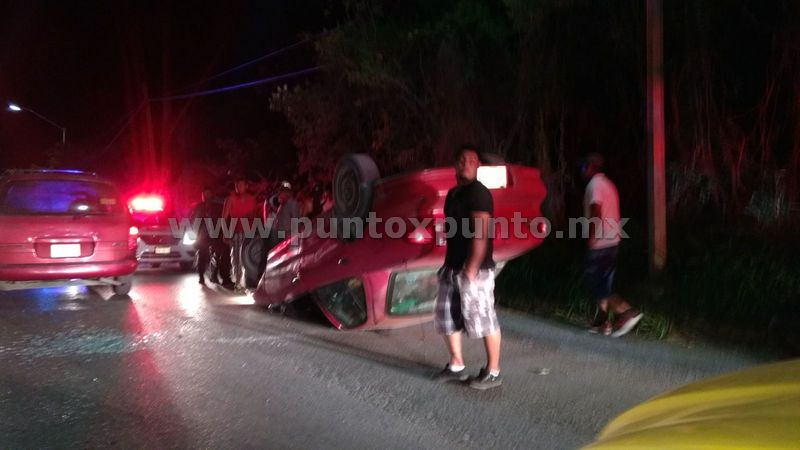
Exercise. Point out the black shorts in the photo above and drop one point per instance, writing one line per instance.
(601, 265)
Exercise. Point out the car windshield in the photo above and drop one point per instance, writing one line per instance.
(59, 197)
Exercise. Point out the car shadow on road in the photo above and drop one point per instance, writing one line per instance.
(316, 332)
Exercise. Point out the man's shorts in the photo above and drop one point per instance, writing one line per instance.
(466, 305)
(601, 265)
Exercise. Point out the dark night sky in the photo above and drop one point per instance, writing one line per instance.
(85, 65)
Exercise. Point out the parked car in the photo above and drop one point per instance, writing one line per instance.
(157, 243)
(388, 282)
(757, 408)
(64, 227)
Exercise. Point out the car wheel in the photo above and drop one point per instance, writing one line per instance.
(352, 189)
(125, 285)
(352, 185)
(254, 258)
(186, 265)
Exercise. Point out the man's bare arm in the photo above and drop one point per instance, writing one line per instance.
(480, 244)
(595, 212)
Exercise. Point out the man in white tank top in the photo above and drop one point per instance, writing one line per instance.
(601, 207)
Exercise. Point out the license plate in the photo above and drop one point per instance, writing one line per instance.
(162, 250)
(65, 250)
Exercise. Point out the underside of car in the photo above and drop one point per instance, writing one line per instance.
(373, 282)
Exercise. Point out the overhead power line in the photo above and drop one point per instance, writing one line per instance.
(127, 121)
(130, 116)
(236, 87)
(220, 90)
(253, 61)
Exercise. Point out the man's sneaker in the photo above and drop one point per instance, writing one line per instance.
(604, 328)
(626, 322)
(600, 324)
(485, 380)
(447, 375)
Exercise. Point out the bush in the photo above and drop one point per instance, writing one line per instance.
(729, 285)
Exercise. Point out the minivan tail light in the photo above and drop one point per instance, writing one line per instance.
(133, 237)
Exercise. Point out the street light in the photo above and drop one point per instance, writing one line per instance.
(16, 108)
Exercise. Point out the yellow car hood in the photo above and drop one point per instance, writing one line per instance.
(757, 408)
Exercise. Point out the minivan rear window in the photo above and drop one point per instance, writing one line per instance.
(59, 197)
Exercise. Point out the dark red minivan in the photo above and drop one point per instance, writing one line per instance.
(64, 227)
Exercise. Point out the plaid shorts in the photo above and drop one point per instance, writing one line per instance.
(466, 305)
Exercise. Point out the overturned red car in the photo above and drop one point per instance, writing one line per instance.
(382, 279)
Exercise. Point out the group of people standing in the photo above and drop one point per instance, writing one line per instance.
(465, 300)
(248, 201)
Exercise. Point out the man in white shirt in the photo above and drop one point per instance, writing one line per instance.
(601, 207)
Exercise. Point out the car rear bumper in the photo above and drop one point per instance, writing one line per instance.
(67, 271)
(177, 253)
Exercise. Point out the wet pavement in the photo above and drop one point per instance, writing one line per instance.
(179, 365)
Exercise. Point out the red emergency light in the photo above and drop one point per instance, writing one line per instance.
(147, 203)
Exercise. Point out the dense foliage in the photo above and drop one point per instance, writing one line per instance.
(542, 82)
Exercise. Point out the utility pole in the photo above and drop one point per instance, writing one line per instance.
(656, 182)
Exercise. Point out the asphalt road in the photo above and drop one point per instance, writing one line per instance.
(180, 365)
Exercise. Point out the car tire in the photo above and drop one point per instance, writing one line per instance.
(186, 265)
(352, 185)
(126, 282)
(352, 189)
(254, 258)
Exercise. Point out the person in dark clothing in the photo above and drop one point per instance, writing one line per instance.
(288, 211)
(220, 252)
(210, 209)
(201, 212)
(465, 302)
